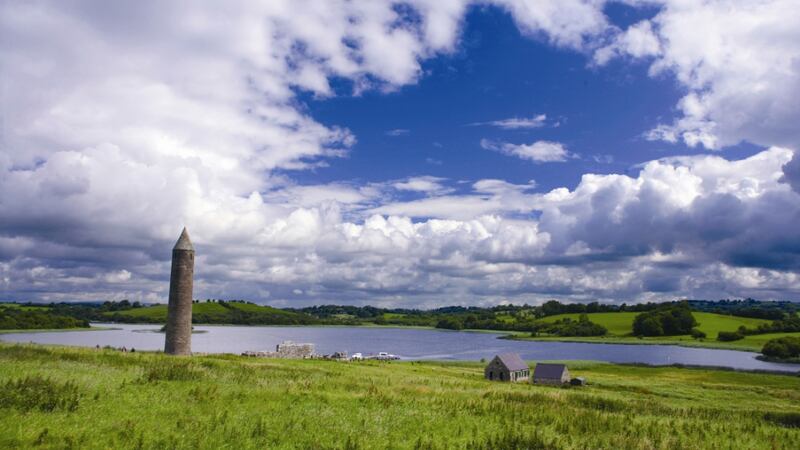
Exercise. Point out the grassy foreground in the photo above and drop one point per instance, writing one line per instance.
(56, 397)
(620, 326)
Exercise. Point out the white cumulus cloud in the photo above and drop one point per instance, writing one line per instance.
(539, 151)
(739, 61)
(124, 121)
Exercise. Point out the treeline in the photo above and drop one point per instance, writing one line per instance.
(656, 319)
(554, 307)
(234, 314)
(503, 317)
(12, 318)
(746, 308)
(573, 328)
(89, 312)
(332, 311)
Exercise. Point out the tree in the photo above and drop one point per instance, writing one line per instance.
(697, 334)
(646, 325)
(671, 320)
(450, 323)
(784, 348)
(728, 336)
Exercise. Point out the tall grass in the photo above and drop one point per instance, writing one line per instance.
(35, 392)
(147, 400)
(166, 370)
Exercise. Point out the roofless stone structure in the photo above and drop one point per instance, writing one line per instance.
(179, 310)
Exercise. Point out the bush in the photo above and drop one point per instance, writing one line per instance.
(784, 348)
(672, 320)
(729, 336)
(697, 334)
(36, 392)
(786, 419)
(790, 324)
(450, 323)
(568, 327)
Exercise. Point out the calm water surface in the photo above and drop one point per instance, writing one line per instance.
(407, 342)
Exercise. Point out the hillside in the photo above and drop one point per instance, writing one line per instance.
(217, 313)
(107, 399)
(18, 317)
(620, 324)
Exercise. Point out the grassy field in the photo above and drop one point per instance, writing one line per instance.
(620, 325)
(82, 398)
(20, 307)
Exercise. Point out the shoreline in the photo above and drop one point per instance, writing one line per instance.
(503, 334)
(795, 361)
(55, 330)
(618, 340)
(577, 364)
(370, 325)
(507, 335)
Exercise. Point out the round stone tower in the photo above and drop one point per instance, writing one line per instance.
(179, 311)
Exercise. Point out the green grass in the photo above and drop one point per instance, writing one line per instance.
(82, 398)
(389, 316)
(20, 307)
(620, 325)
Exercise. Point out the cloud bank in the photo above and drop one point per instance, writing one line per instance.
(128, 120)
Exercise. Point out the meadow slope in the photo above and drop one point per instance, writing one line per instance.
(620, 326)
(81, 398)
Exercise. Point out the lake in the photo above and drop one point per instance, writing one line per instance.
(409, 343)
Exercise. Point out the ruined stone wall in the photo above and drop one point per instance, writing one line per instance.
(288, 350)
(292, 350)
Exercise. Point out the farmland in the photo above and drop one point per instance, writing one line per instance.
(619, 325)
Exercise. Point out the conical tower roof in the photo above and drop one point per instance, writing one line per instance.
(184, 243)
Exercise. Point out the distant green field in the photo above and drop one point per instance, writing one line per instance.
(22, 307)
(621, 323)
(393, 315)
(620, 327)
(507, 318)
(101, 399)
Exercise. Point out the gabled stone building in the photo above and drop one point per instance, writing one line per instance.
(550, 374)
(507, 367)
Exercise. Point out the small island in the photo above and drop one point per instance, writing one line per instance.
(783, 349)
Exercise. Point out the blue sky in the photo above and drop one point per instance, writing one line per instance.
(411, 153)
(496, 74)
